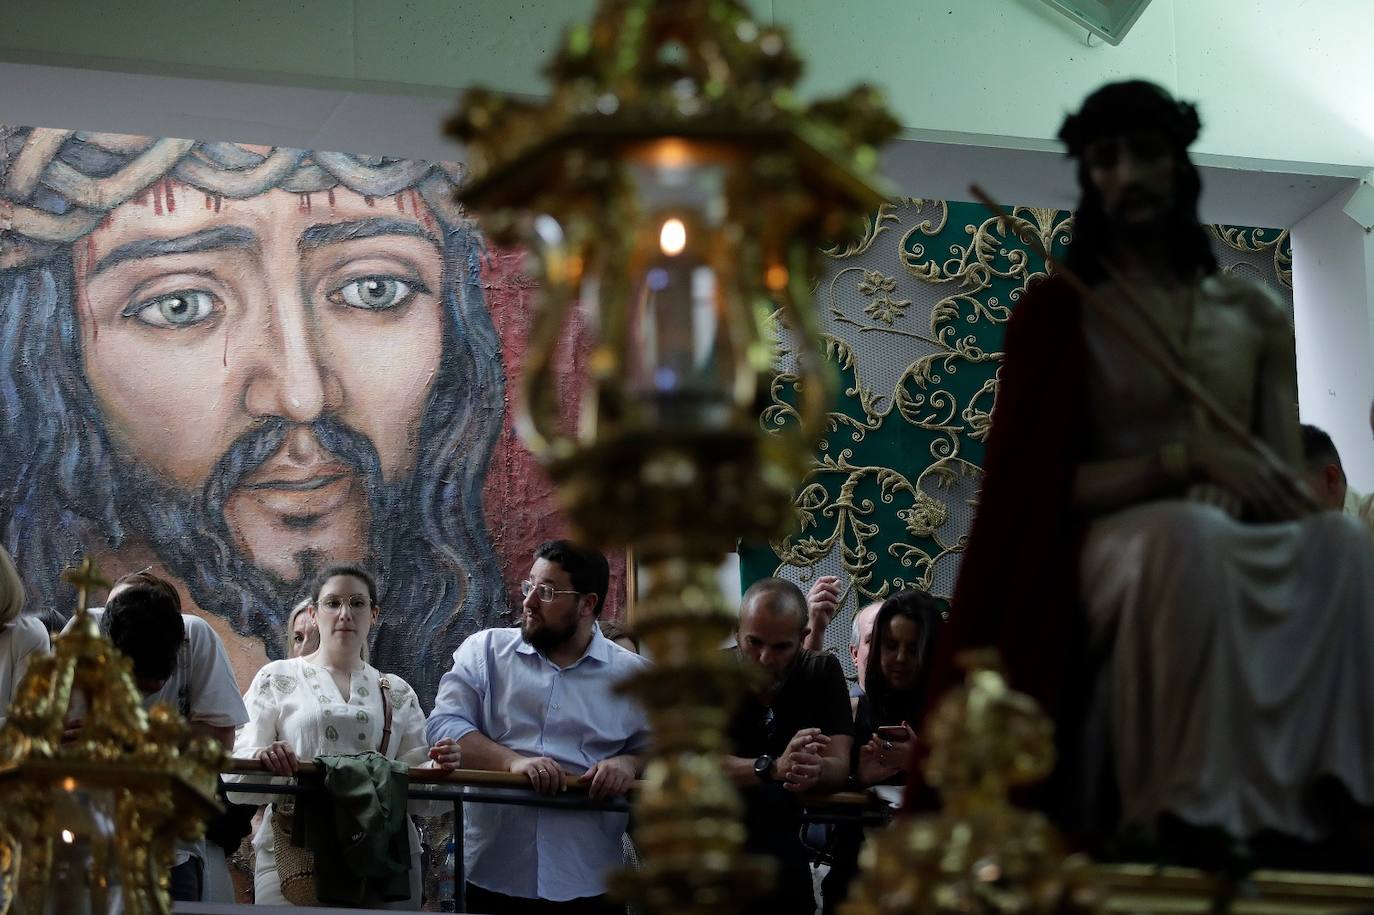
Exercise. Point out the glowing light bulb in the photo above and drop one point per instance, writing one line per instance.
(68, 836)
(672, 238)
(776, 277)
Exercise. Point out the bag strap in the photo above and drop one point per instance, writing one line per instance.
(385, 686)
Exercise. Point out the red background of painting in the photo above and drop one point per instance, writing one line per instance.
(518, 500)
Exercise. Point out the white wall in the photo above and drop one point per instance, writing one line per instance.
(1283, 80)
(1333, 288)
(1275, 79)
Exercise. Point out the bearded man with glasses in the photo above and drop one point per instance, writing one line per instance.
(540, 700)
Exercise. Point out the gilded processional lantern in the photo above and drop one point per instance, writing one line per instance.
(89, 826)
(675, 195)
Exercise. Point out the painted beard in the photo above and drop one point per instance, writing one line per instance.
(192, 536)
(547, 638)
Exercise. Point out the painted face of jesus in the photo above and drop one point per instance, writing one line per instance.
(202, 320)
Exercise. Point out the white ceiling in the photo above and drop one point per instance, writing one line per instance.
(922, 164)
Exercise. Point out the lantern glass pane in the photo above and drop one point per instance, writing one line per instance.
(84, 879)
(682, 286)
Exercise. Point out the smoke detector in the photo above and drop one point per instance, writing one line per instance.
(1109, 20)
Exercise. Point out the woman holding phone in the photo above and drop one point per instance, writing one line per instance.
(904, 635)
(891, 707)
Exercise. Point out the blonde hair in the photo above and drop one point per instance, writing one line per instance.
(11, 590)
(288, 636)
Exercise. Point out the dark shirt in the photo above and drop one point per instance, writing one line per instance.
(812, 695)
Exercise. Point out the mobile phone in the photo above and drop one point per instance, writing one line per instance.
(892, 732)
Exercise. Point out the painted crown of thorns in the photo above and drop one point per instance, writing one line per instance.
(57, 185)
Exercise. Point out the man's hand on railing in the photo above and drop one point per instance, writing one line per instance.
(609, 778)
(446, 755)
(279, 758)
(545, 775)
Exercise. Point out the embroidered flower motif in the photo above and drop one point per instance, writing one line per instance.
(362, 691)
(925, 518)
(362, 737)
(284, 684)
(310, 671)
(880, 287)
(331, 733)
(362, 716)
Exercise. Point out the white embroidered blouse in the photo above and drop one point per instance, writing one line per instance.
(298, 702)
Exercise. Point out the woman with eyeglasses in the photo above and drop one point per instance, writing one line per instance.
(328, 702)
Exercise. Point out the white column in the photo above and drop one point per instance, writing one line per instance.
(1333, 316)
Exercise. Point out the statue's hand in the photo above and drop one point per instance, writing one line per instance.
(1268, 493)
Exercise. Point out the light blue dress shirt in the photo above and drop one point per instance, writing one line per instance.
(512, 694)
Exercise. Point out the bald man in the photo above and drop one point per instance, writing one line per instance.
(792, 735)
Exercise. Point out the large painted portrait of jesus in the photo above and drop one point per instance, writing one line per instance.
(234, 364)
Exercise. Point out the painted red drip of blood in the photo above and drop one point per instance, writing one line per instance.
(157, 198)
(218, 199)
(400, 203)
(171, 197)
(331, 196)
(209, 202)
(370, 201)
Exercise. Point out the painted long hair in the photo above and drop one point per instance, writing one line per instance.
(63, 491)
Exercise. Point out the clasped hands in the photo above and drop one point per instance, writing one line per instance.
(280, 759)
(799, 766)
(608, 778)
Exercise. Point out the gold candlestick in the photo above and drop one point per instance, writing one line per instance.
(979, 855)
(675, 195)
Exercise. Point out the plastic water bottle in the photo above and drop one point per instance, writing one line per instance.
(448, 894)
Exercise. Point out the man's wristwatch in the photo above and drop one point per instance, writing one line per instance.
(763, 768)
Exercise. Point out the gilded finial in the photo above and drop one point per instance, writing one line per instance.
(85, 578)
(979, 854)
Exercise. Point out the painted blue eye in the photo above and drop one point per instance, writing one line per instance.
(373, 293)
(184, 308)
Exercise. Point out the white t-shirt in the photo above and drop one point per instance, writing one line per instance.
(201, 688)
(19, 639)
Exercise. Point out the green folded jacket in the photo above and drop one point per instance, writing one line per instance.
(356, 829)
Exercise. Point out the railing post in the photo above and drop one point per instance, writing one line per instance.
(460, 881)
